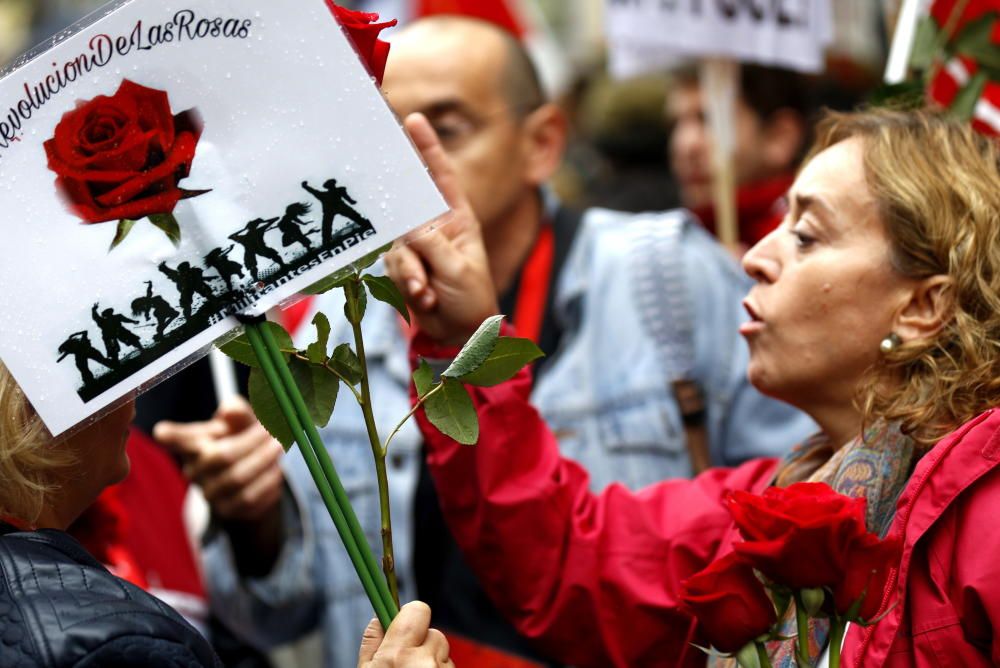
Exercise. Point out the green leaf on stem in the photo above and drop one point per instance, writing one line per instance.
(239, 348)
(316, 352)
(346, 363)
(125, 226)
(423, 378)
(384, 290)
(451, 410)
(509, 356)
(268, 411)
(476, 350)
(318, 388)
(354, 309)
(168, 223)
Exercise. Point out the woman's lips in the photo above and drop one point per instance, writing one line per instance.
(755, 324)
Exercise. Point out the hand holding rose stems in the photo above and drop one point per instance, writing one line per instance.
(804, 544)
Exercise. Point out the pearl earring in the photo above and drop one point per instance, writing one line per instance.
(890, 343)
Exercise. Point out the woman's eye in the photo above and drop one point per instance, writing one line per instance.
(802, 240)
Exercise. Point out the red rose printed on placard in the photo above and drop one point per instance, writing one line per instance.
(121, 158)
(363, 28)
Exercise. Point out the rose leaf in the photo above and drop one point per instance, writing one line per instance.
(168, 223)
(268, 411)
(509, 356)
(384, 290)
(451, 410)
(477, 348)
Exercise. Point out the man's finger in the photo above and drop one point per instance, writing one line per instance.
(225, 452)
(236, 413)
(405, 268)
(370, 642)
(245, 469)
(252, 501)
(438, 162)
(188, 439)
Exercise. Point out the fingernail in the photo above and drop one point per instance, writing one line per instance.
(427, 301)
(413, 285)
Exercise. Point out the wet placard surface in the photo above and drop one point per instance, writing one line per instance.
(171, 165)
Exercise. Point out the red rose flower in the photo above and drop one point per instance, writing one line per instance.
(798, 536)
(729, 602)
(121, 157)
(363, 29)
(870, 561)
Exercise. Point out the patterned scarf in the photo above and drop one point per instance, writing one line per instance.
(875, 465)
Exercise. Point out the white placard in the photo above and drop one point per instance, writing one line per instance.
(646, 35)
(232, 104)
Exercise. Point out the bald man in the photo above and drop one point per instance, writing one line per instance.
(624, 306)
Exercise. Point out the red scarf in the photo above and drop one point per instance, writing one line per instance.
(760, 206)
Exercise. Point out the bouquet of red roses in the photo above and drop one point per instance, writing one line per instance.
(804, 544)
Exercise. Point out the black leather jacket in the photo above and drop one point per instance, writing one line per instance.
(60, 607)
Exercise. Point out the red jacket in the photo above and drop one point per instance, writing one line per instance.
(594, 578)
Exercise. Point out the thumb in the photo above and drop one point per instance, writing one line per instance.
(370, 642)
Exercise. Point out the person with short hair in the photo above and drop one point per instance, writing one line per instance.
(771, 123)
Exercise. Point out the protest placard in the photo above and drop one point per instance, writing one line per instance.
(645, 35)
(172, 164)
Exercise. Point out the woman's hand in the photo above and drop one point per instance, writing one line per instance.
(443, 271)
(410, 642)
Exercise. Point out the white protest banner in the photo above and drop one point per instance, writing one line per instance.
(174, 163)
(646, 35)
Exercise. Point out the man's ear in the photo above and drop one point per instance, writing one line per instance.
(784, 134)
(546, 130)
(928, 310)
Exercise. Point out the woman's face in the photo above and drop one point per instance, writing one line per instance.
(100, 448)
(826, 294)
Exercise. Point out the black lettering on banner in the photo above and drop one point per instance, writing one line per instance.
(183, 19)
(100, 51)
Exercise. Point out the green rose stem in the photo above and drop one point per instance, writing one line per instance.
(765, 660)
(838, 625)
(802, 639)
(354, 315)
(340, 495)
(287, 395)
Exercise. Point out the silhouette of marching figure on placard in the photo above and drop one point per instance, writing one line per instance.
(335, 201)
(114, 333)
(79, 346)
(226, 268)
(291, 224)
(154, 306)
(252, 239)
(189, 280)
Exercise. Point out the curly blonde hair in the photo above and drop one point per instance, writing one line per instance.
(28, 459)
(937, 184)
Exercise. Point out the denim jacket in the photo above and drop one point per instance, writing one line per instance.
(643, 299)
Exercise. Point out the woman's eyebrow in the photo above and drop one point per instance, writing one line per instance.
(806, 201)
